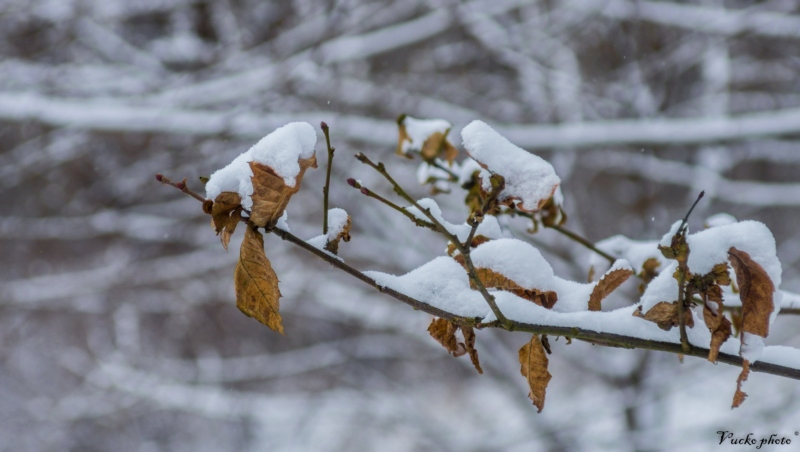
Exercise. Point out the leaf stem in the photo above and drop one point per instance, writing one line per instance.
(326, 188)
(464, 250)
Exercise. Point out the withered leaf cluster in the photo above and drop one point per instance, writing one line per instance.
(756, 291)
(444, 331)
(256, 284)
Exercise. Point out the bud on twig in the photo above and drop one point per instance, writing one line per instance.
(159, 177)
(364, 191)
(351, 182)
(323, 125)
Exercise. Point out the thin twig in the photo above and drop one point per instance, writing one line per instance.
(180, 186)
(327, 186)
(473, 275)
(367, 192)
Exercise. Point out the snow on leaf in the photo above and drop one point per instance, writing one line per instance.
(339, 224)
(494, 280)
(533, 358)
(607, 284)
(427, 136)
(665, 315)
(271, 194)
(528, 179)
(257, 292)
(284, 151)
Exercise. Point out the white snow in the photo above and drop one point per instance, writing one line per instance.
(441, 283)
(419, 130)
(337, 219)
(751, 347)
(279, 150)
(283, 221)
(634, 251)
(719, 219)
(528, 178)
(468, 168)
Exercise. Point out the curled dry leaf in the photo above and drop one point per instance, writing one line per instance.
(666, 315)
(444, 331)
(533, 358)
(226, 212)
(739, 395)
(257, 293)
(648, 272)
(344, 234)
(492, 279)
(402, 137)
(270, 192)
(437, 145)
(756, 290)
(607, 284)
(469, 342)
(718, 325)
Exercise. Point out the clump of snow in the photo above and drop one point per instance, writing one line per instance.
(441, 283)
(337, 220)
(283, 222)
(634, 251)
(489, 227)
(719, 219)
(752, 347)
(527, 177)
(666, 240)
(281, 150)
(418, 130)
(468, 168)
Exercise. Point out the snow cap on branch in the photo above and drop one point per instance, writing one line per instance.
(528, 178)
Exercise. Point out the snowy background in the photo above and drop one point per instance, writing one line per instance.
(118, 329)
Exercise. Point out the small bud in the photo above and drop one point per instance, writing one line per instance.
(351, 182)
(364, 191)
(180, 185)
(323, 125)
(361, 157)
(159, 177)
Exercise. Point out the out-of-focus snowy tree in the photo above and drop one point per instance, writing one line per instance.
(118, 329)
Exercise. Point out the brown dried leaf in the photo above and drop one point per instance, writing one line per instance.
(739, 395)
(648, 272)
(665, 315)
(402, 137)
(444, 331)
(271, 194)
(344, 234)
(492, 279)
(257, 293)
(720, 328)
(755, 289)
(226, 212)
(476, 242)
(469, 339)
(607, 284)
(437, 145)
(534, 362)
